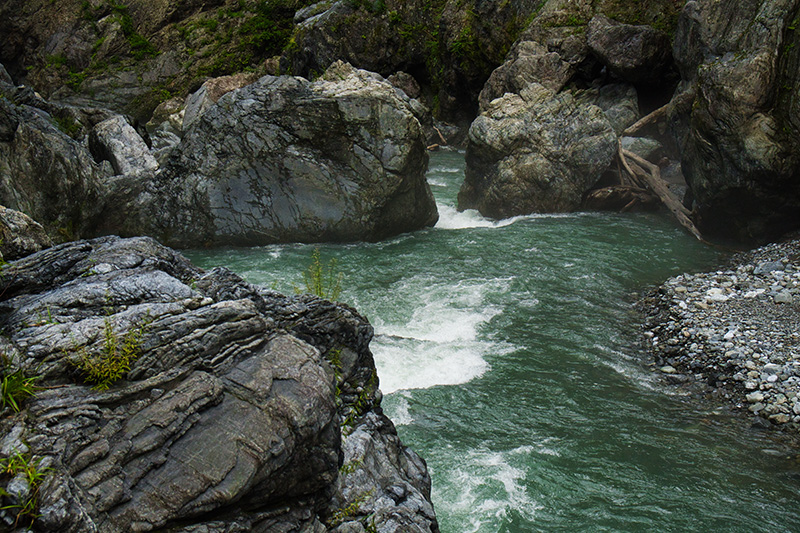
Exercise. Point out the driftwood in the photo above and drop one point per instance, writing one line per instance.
(651, 176)
(441, 137)
(645, 120)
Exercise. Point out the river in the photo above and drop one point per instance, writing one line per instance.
(509, 356)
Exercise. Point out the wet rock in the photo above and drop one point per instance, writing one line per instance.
(535, 152)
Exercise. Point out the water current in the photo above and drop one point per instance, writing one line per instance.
(509, 356)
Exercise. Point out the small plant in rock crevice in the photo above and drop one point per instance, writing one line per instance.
(29, 469)
(114, 360)
(15, 387)
(320, 280)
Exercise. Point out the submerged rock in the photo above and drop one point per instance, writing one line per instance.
(284, 160)
(535, 152)
(233, 415)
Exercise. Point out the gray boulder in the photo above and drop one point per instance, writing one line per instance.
(116, 141)
(232, 417)
(636, 54)
(528, 62)
(20, 235)
(535, 152)
(735, 115)
(284, 160)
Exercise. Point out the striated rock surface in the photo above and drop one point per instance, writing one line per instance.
(735, 117)
(285, 159)
(535, 152)
(234, 415)
(212, 90)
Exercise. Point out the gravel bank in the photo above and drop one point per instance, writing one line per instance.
(735, 330)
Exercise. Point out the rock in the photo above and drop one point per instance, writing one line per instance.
(20, 235)
(535, 152)
(210, 92)
(668, 369)
(229, 418)
(618, 198)
(643, 147)
(4, 76)
(527, 62)
(619, 101)
(783, 297)
(406, 83)
(165, 128)
(636, 54)
(47, 175)
(116, 141)
(734, 115)
(284, 160)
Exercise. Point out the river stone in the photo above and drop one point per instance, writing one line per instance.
(636, 54)
(287, 160)
(736, 115)
(527, 62)
(619, 101)
(535, 152)
(116, 141)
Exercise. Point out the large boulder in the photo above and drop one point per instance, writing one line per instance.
(286, 160)
(736, 114)
(535, 152)
(233, 414)
(528, 62)
(634, 53)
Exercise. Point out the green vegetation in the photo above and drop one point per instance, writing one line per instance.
(68, 125)
(15, 386)
(105, 368)
(26, 465)
(140, 47)
(348, 511)
(363, 402)
(320, 280)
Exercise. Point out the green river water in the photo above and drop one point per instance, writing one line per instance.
(509, 356)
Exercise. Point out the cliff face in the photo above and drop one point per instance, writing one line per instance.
(243, 410)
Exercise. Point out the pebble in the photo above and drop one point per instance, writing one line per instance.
(737, 330)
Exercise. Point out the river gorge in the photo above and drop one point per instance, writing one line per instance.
(510, 357)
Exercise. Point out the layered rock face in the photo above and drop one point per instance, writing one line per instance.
(233, 417)
(736, 121)
(287, 160)
(535, 152)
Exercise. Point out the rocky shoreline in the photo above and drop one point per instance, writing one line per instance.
(735, 333)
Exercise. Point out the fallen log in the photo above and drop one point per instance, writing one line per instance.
(651, 175)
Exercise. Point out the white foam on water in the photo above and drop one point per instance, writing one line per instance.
(439, 342)
(398, 411)
(451, 218)
(485, 485)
